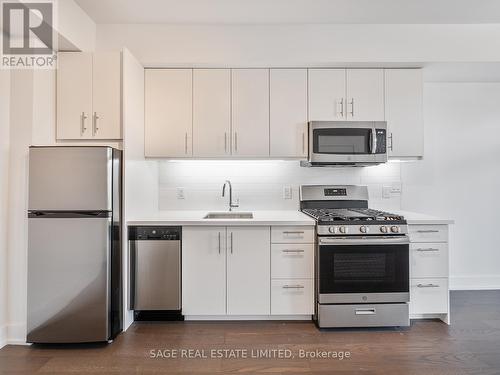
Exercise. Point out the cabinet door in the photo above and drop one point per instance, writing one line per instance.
(211, 112)
(404, 112)
(248, 270)
(365, 95)
(203, 270)
(74, 95)
(106, 94)
(288, 112)
(168, 112)
(250, 112)
(327, 92)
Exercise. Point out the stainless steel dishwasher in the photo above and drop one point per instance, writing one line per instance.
(155, 272)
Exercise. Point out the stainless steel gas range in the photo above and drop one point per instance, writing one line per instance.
(361, 260)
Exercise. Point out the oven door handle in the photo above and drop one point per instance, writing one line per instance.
(374, 141)
(399, 240)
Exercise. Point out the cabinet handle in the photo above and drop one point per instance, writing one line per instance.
(342, 108)
(428, 231)
(352, 107)
(428, 249)
(82, 123)
(219, 242)
(427, 286)
(225, 142)
(293, 286)
(95, 118)
(293, 232)
(391, 137)
(231, 235)
(365, 311)
(235, 141)
(303, 143)
(292, 251)
(186, 143)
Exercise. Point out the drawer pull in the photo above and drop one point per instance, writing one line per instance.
(365, 311)
(293, 286)
(427, 286)
(292, 251)
(428, 231)
(294, 232)
(427, 250)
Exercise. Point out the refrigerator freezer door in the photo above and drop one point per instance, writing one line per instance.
(68, 280)
(70, 179)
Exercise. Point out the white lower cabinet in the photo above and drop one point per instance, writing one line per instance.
(204, 270)
(292, 296)
(292, 261)
(226, 270)
(248, 270)
(429, 272)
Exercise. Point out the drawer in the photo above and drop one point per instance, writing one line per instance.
(428, 233)
(429, 296)
(298, 234)
(428, 260)
(292, 261)
(366, 315)
(292, 297)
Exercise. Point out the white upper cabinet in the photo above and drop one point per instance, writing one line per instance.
(74, 96)
(212, 112)
(288, 112)
(365, 95)
(168, 112)
(89, 95)
(404, 112)
(106, 99)
(250, 112)
(327, 91)
(248, 270)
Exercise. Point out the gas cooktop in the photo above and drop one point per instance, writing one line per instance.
(351, 215)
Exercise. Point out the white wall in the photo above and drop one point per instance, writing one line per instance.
(77, 31)
(4, 174)
(301, 45)
(459, 177)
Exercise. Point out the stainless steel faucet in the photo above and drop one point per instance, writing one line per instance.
(231, 204)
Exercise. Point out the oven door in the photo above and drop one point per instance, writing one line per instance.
(338, 142)
(363, 269)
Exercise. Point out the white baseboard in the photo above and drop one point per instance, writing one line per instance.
(3, 336)
(247, 317)
(475, 282)
(16, 334)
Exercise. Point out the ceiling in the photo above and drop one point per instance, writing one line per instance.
(293, 11)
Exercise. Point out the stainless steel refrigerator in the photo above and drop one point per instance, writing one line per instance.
(74, 244)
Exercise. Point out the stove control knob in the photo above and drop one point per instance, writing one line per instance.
(331, 229)
(343, 230)
(383, 229)
(363, 229)
(395, 229)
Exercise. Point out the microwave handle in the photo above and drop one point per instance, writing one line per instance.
(373, 141)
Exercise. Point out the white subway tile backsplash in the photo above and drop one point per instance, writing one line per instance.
(258, 185)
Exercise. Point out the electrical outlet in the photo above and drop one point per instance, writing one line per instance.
(396, 188)
(386, 192)
(180, 193)
(287, 192)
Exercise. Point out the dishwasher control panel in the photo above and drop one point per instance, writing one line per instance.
(154, 233)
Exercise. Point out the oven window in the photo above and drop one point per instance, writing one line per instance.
(364, 269)
(341, 141)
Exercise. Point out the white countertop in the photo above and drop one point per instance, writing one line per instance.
(288, 217)
(418, 218)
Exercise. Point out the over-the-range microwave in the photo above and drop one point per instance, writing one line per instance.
(358, 143)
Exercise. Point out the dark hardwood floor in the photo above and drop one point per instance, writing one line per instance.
(471, 345)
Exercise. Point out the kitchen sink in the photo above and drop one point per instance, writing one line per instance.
(229, 215)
